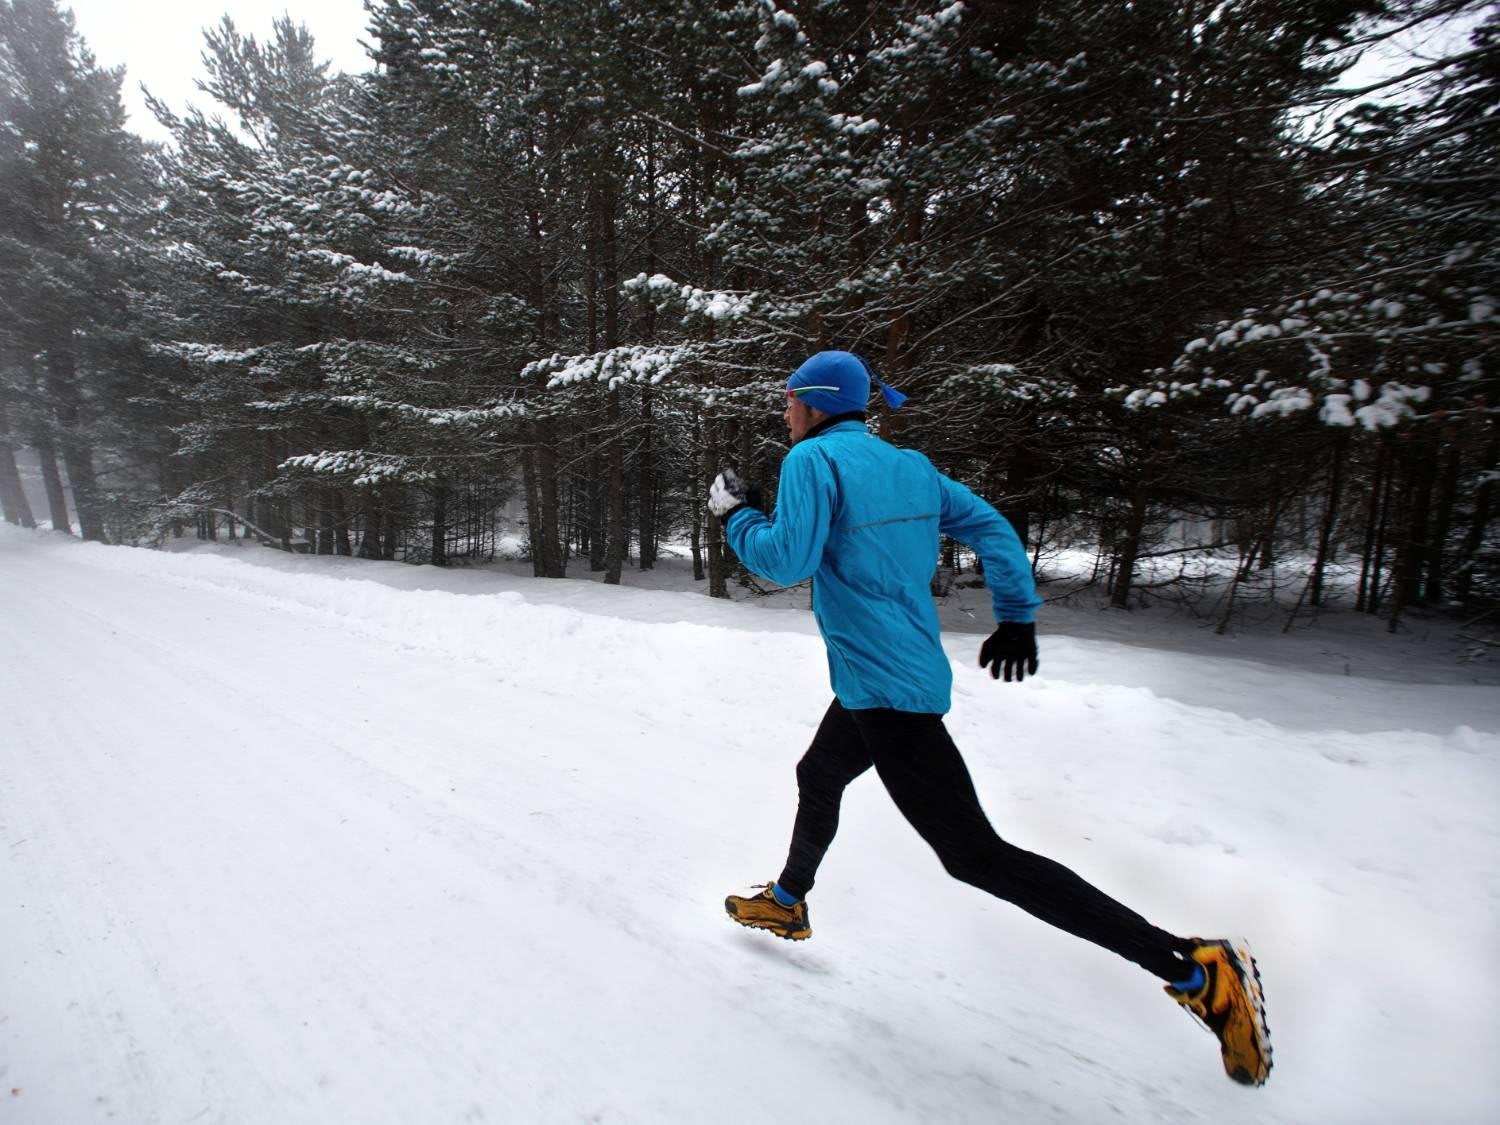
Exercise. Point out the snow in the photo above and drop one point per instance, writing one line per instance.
(772, 77)
(298, 839)
(1284, 401)
(852, 124)
(713, 303)
(632, 363)
(1335, 411)
(207, 353)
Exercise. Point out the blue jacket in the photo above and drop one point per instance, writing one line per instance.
(862, 518)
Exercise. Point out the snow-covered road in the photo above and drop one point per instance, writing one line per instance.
(294, 846)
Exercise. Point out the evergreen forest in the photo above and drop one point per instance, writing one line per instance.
(1158, 279)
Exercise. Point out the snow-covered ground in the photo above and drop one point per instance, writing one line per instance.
(291, 840)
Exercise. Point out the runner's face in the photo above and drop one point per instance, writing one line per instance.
(799, 417)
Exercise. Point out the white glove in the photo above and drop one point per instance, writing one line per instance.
(726, 493)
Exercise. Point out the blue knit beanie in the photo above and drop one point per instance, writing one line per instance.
(839, 383)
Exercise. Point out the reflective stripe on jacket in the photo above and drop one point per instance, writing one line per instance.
(862, 519)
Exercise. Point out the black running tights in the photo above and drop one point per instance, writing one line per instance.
(925, 775)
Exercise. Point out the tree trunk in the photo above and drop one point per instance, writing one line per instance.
(645, 491)
(390, 529)
(1368, 579)
(1442, 522)
(718, 572)
(1123, 577)
(57, 500)
(1041, 528)
(78, 458)
(16, 507)
(440, 523)
(1241, 573)
(533, 507)
(46, 450)
(576, 533)
(1130, 545)
(1330, 518)
(616, 538)
(549, 534)
(12, 496)
(340, 517)
(549, 551)
(270, 512)
(324, 533)
(1256, 543)
(1020, 468)
(1412, 550)
(229, 521)
(618, 543)
(77, 453)
(1484, 496)
(697, 498)
(369, 525)
(1268, 536)
(1377, 564)
(596, 510)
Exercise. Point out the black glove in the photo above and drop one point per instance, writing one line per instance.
(1011, 648)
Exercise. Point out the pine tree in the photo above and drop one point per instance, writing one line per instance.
(71, 171)
(328, 359)
(1386, 332)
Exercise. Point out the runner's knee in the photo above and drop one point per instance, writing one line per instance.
(817, 777)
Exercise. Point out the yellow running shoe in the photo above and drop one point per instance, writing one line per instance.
(763, 912)
(1232, 1005)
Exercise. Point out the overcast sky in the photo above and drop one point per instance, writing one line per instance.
(159, 43)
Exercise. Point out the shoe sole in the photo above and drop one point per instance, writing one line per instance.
(1250, 975)
(768, 927)
(1246, 969)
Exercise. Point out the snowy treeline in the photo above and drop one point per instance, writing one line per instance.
(1132, 263)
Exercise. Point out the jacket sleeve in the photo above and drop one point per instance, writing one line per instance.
(789, 547)
(1007, 570)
